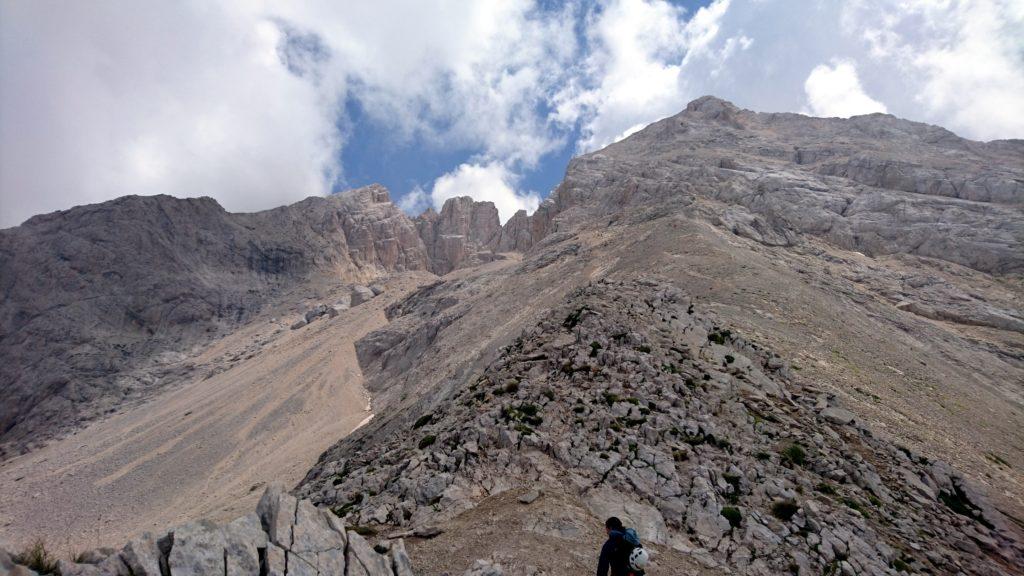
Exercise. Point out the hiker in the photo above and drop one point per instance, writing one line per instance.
(622, 553)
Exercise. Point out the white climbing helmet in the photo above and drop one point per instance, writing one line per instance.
(638, 558)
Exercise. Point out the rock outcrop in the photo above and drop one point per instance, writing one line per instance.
(285, 536)
(875, 184)
(465, 233)
(631, 394)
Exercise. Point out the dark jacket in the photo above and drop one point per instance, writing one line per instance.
(614, 556)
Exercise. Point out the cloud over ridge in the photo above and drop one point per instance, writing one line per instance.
(245, 102)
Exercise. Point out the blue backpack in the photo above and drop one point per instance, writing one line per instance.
(637, 557)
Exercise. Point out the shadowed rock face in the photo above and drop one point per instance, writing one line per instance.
(93, 294)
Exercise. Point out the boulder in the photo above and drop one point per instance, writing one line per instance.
(9, 568)
(299, 324)
(363, 560)
(198, 549)
(839, 416)
(361, 294)
(143, 555)
(485, 568)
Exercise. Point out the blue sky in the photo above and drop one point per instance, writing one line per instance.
(260, 104)
(375, 157)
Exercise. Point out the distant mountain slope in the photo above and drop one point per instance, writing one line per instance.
(92, 293)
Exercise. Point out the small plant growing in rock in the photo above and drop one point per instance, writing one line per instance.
(573, 319)
(733, 515)
(734, 481)
(423, 421)
(510, 388)
(38, 558)
(794, 454)
(825, 488)
(785, 509)
(594, 347)
(855, 505)
(367, 531)
(644, 348)
(763, 456)
(610, 398)
(729, 358)
(900, 565)
(427, 441)
(719, 338)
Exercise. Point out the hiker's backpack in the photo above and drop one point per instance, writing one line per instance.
(638, 556)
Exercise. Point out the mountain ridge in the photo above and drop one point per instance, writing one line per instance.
(879, 258)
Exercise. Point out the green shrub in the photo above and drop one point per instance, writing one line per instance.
(825, 488)
(645, 349)
(854, 505)
(719, 338)
(594, 347)
(427, 441)
(610, 398)
(423, 421)
(574, 318)
(364, 530)
(794, 453)
(510, 388)
(38, 558)
(763, 456)
(729, 359)
(733, 515)
(784, 509)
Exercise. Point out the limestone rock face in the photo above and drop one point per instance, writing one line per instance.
(284, 536)
(466, 232)
(875, 184)
(93, 294)
(652, 411)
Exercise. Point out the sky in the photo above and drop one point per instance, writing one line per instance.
(261, 103)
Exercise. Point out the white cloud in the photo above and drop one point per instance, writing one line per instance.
(966, 58)
(638, 70)
(104, 100)
(835, 90)
(484, 182)
(243, 101)
(240, 101)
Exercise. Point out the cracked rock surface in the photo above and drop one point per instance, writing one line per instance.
(646, 406)
(285, 536)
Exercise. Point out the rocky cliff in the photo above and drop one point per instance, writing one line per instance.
(99, 302)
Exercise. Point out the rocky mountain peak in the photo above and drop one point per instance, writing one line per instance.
(757, 337)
